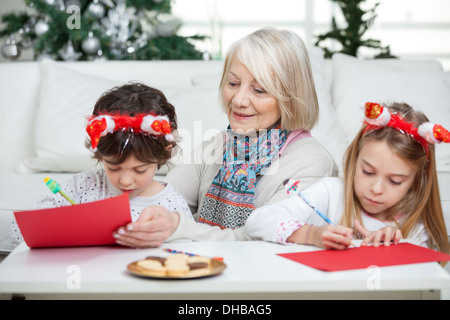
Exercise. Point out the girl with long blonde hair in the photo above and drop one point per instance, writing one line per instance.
(389, 190)
(422, 203)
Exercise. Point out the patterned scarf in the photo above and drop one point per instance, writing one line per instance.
(230, 198)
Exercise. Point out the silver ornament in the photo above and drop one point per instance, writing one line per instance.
(41, 27)
(91, 44)
(24, 37)
(10, 49)
(108, 3)
(96, 9)
(168, 25)
(69, 53)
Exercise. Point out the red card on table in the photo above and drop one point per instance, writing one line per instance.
(364, 257)
(85, 224)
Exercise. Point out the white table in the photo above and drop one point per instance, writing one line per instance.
(254, 271)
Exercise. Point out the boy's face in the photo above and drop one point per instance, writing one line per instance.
(382, 178)
(132, 176)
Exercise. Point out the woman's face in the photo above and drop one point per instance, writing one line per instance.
(250, 107)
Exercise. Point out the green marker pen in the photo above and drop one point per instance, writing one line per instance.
(56, 187)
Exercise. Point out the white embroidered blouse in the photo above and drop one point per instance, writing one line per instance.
(277, 221)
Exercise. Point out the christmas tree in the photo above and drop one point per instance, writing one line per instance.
(350, 37)
(108, 29)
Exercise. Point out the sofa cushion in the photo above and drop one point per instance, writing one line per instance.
(423, 85)
(327, 131)
(67, 97)
(19, 83)
(444, 186)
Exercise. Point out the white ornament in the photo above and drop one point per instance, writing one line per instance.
(41, 27)
(91, 44)
(10, 49)
(69, 54)
(146, 125)
(425, 130)
(96, 9)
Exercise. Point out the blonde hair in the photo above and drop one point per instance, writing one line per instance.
(422, 203)
(279, 61)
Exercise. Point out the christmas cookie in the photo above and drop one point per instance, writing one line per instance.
(198, 262)
(177, 257)
(175, 265)
(177, 269)
(160, 259)
(153, 267)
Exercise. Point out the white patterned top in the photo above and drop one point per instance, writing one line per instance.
(94, 185)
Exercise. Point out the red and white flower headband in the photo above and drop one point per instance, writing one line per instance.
(99, 126)
(377, 116)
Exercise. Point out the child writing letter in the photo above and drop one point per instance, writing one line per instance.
(389, 189)
(130, 134)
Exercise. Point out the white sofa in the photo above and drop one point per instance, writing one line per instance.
(43, 104)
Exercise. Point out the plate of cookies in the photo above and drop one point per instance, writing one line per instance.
(176, 266)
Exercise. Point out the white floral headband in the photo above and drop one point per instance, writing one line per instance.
(101, 125)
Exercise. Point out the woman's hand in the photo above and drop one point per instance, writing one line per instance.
(387, 235)
(151, 229)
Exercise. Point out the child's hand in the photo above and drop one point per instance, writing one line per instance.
(328, 236)
(386, 235)
(332, 237)
(151, 229)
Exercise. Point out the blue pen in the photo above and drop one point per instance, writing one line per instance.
(181, 252)
(292, 186)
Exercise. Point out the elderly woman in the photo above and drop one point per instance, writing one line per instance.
(267, 91)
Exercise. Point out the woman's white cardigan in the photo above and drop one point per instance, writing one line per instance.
(302, 158)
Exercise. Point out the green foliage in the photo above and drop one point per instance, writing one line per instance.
(351, 36)
(13, 23)
(140, 43)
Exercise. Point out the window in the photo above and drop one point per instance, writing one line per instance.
(414, 29)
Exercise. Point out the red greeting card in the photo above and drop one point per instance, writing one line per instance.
(363, 257)
(85, 224)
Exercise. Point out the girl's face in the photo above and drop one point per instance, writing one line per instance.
(249, 105)
(132, 176)
(382, 178)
